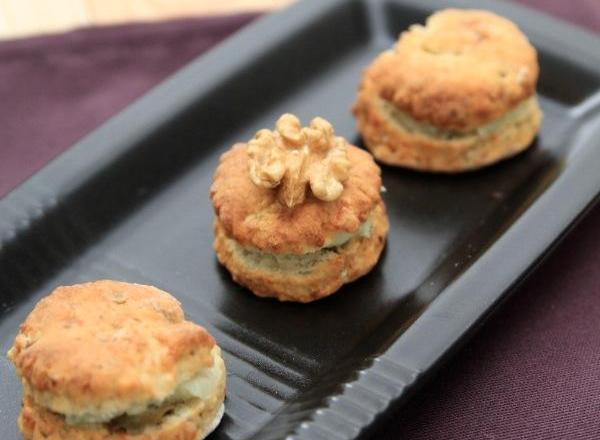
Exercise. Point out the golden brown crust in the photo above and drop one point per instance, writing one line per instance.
(463, 69)
(194, 422)
(394, 145)
(107, 345)
(253, 217)
(351, 261)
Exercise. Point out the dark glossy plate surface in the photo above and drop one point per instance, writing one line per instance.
(130, 202)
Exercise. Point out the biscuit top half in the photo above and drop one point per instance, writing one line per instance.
(464, 68)
(294, 190)
(107, 343)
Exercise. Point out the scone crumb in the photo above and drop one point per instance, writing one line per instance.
(292, 158)
(119, 297)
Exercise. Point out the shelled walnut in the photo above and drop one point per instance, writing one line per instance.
(292, 158)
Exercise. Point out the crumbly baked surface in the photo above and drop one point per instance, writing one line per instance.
(253, 217)
(107, 347)
(306, 277)
(463, 70)
(191, 420)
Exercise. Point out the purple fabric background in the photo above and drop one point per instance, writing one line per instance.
(56, 89)
(532, 372)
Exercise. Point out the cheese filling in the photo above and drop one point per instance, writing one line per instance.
(200, 386)
(301, 264)
(414, 126)
(341, 238)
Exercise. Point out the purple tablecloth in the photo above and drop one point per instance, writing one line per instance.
(532, 372)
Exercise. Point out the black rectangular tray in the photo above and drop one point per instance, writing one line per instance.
(130, 202)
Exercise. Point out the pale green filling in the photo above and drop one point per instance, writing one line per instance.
(341, 238)
(301, 263)
(198, 387)
(413, 126)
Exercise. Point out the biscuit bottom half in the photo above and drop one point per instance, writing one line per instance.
(395, 138)
(304, 277)
(182, 416)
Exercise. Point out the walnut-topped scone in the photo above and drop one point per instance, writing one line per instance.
(455, 94)
(299, 211)
(113, 360)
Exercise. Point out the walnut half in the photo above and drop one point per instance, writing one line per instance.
(292, 158)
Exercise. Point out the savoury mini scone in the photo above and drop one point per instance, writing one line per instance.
(299, 211)
(454, 95)
(113, 360)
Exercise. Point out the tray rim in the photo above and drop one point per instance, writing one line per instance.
(406, 355)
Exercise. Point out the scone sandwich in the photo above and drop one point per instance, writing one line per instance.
(455, 94)
(298, 211)
(113, 360)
